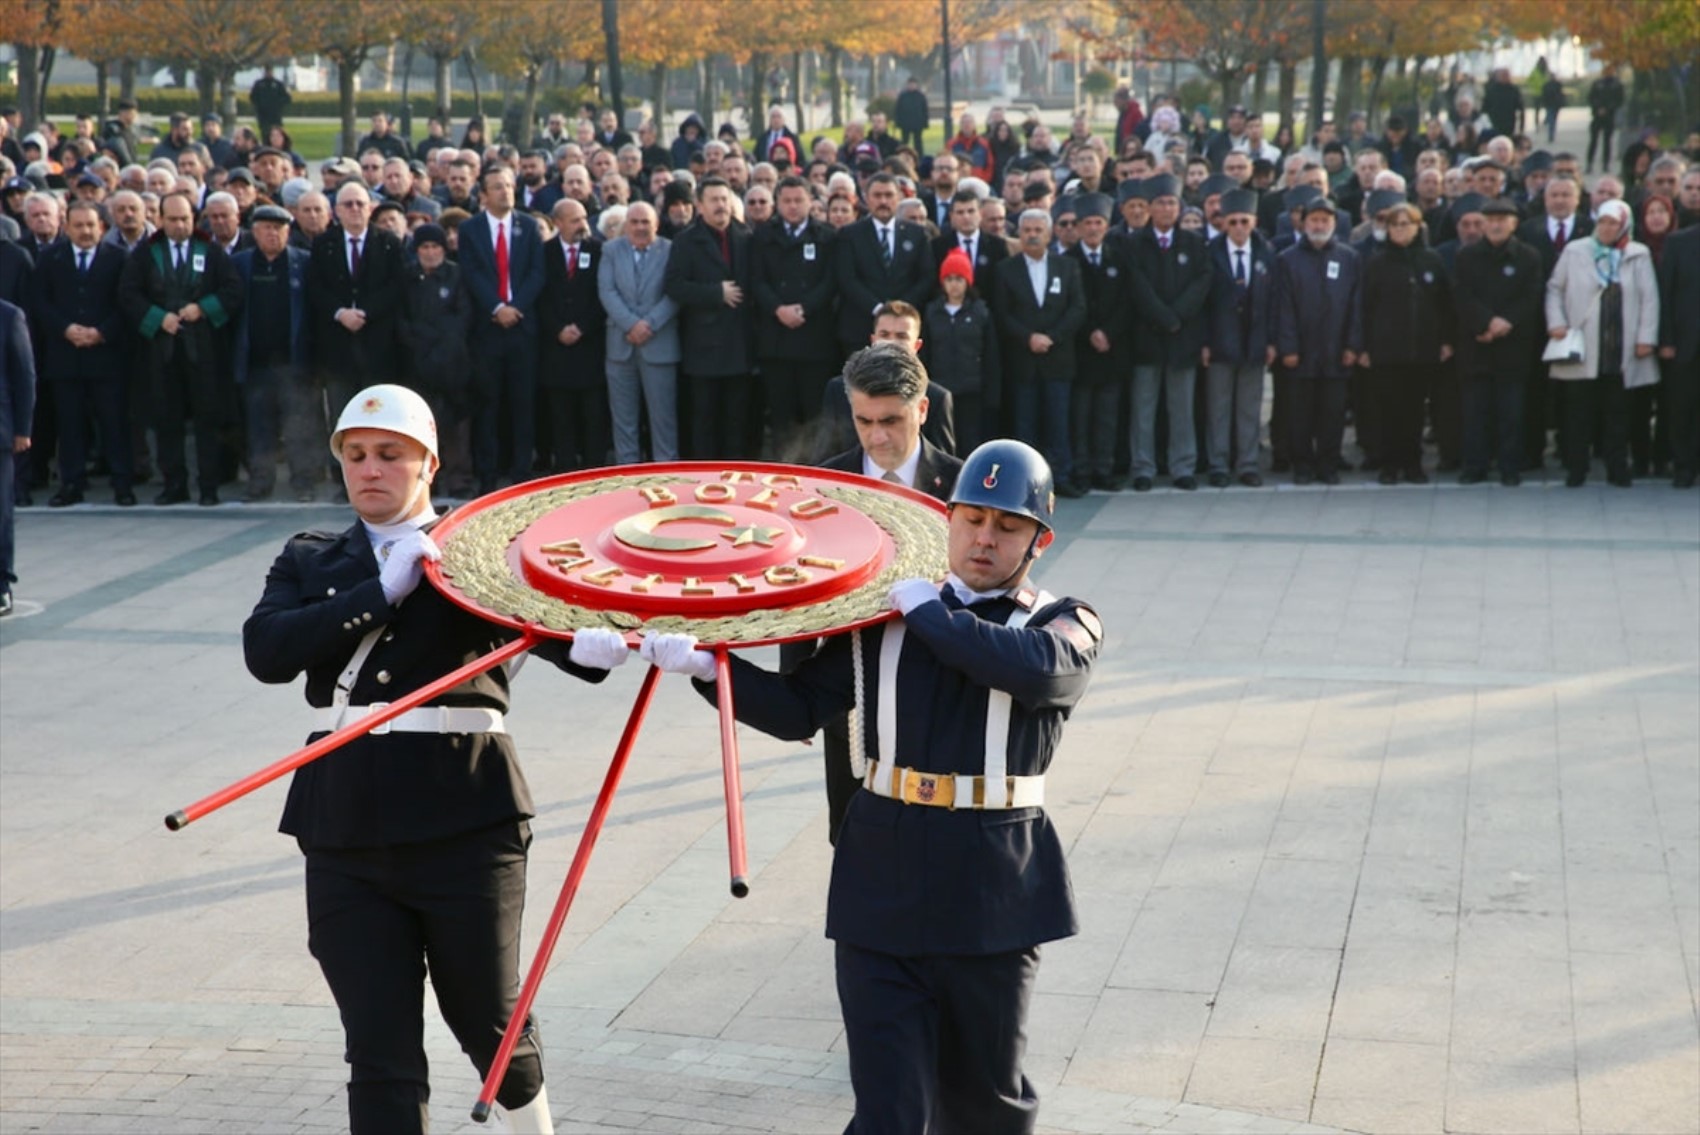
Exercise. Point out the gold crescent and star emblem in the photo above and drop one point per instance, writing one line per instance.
(638, 531)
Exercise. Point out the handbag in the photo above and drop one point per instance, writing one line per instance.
(1569, 349)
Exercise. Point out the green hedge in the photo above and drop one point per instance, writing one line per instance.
(70, 99)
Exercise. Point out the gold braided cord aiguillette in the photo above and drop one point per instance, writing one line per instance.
(475, 562)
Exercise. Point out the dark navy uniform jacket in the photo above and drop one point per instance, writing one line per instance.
(322, 597)
(913, 880)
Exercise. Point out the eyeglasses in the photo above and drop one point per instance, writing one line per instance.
(1402, 223)
(1066, 223)
(1237, 221)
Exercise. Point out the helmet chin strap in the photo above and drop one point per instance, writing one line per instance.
(412, 504)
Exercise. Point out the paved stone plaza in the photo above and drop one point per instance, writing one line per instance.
(1383, 812)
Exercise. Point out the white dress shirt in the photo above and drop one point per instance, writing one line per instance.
(1038, 272)
(905, 472)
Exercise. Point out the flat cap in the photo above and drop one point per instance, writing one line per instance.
(1319, 204)
(243, 173)
(274, 214)
(1467, 203)
(1381, 200)
(1299, 196)
(1501, 207)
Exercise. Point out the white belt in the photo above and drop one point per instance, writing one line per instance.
(425, 719)
(950, 790)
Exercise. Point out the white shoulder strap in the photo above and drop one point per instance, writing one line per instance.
(351, 674)
(998, 705)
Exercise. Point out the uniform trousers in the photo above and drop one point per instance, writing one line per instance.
(793, 391)
(1092, 417)
(378, 920)
(1041, 410)
(182, 388)
(1316, 419)
(106, 401)
(1399, 391)
(1493, 413)
(504, 401)
(1235, 415)
(720, 416)
(283, 402)
(1175, 381)
(637, 387)
(936, 1042)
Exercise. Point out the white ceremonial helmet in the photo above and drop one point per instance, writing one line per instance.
(388, 407)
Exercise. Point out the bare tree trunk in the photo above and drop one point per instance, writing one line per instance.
(444, 83)
(797, 92)
(386, 68)
(1259, 84)
(1349, 93)
(758, 79)
(529, 119)
(345, 72)
(710, 94)
(29, 85)
(227, 97)
(127, 79)
(1378, 70)
(611, 48)
(477, 93)
(1230, 78)
(206, 90)
(407, 95)
(658, 92)
(103, 88)
(835, 82)
(1287, 92)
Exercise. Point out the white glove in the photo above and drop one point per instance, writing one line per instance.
(598, 648)
(678, 654)
(908, 594)
(401, 572)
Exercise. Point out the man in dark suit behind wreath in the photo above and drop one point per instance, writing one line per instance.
(572, 342)
(354, 290)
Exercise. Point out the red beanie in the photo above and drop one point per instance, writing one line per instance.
(956, 263)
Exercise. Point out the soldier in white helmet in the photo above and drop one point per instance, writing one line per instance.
(415, 839)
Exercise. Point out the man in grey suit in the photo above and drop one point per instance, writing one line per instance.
(643, 338)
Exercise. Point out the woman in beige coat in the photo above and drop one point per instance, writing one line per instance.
(1605, 287)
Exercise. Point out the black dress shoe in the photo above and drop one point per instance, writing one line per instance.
(124, 498)
(1281, 465)
(65, 497)
(1416, 477)
(172, 496)
(209, 497)
(1185, 484)
(1252, 480)
(257, 493)
(1070, 489)
(1448, 465)
(1683, 480)
(1575, 480)
(1329, 478)
(1304, 477)
(1470, 477)
(22, 498)
(1218, 480)
(1622, 481)
(1511, 480)
(1142, 484)
(1387, 477)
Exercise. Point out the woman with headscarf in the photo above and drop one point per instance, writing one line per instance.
(1165, 128)
(1604, 287)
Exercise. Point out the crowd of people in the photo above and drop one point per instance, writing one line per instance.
(1446, 294)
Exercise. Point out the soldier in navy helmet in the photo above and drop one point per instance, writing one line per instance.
(948, 875)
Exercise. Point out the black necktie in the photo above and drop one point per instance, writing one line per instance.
(354, 257)
(885, 246)
(82, 261)
(179, 249)
(1092, 255)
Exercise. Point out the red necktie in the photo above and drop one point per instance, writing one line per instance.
(725, 248)
(1558, 241)
(354, 259)
(502, 263)
(572, 260)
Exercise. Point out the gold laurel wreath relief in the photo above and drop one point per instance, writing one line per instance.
(475, 562)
